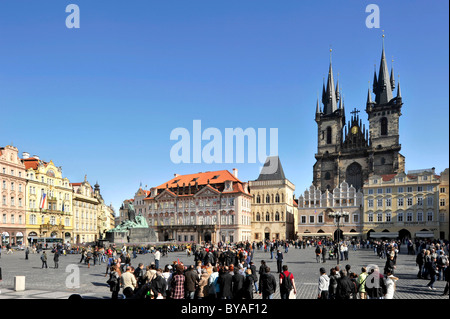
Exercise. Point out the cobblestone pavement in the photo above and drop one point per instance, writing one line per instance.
(53, 283)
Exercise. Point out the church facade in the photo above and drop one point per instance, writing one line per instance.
(348, 151)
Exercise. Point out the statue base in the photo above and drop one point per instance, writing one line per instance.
(132, 235)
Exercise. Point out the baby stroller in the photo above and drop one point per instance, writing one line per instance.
(331, 254)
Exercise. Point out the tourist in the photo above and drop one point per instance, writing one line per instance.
(279, 258)
(167, 275)
(225, 282)
(203, 289)
(318, 253)
(267, 284)
(361, 283)
(390, 285)
(332, 288)
(324, 284)
(214, 287)
(191, 282)
(249, 283)
(420, 260)
(287, 283)
(432, 271)
(158, 285)
(114, 281)
(238, 284)
(344, 286)
(128, 282)
(178, 283)
(44, 259)
(56, 259)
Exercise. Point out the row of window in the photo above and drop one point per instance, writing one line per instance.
(12, 201)
(12, 188)
(200, 220)
(402, 179)
(19, 174)
(200, 202)
(401, 202)
(270, 217)
(401, 217)
(400, 189)
(319, 219)
(269, 198)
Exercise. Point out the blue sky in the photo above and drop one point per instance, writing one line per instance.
(103, 99)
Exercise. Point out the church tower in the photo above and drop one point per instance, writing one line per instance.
(383, 115)
(330, 122)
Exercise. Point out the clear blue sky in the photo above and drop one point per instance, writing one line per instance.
(102, 100)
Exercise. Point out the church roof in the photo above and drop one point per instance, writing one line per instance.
(269, 172)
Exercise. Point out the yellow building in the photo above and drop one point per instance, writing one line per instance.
(402, 205)
(443, 205)
(86, 212)
(273, 207)
(48, 203)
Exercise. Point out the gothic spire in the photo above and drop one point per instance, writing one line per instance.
(330, 105)
(392, 76)
(384, 89)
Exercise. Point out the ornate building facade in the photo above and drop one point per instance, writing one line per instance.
(314, 207)
(12, 208)
(203, 207)
(273, 203)
(349, 152)
(49, 201)
(443, 205)
(402, 205)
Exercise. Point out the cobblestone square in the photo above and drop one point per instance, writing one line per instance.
(53, 283)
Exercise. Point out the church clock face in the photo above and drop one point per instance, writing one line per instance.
(354, 130)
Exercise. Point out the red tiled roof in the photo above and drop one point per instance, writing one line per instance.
(388, 177)
(202, 179)
(31, 163)
(75, 184)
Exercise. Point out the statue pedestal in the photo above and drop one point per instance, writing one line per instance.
(132, 235)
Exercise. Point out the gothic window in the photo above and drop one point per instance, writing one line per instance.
(277, 198)
(328, 135)
(354, 175)
(267, 198)
(267, 217)
(258, 199)
(258, 217)
(327, 176)
(277, 216)
(384, 126)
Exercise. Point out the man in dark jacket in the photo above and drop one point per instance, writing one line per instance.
(238, 284)
(279, 258)
(254, 274)
(267, 284)
(139, 273)
(225, 282)
(191, 282)
(345, 286)
(158, 285)
(420, 260)
(375, 284)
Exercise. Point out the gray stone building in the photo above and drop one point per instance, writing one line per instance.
(348, 151)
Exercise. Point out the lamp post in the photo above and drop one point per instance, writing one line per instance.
(337, 216)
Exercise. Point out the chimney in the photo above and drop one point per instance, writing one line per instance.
(36, 157)
(175, 175)
(25, 155)
(235, 172)
(153, 192)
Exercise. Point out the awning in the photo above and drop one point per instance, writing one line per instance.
(425, 234)
(383, 235)
(352, 234)
(314, 234)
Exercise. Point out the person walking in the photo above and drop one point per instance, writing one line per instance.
(249, 283)
(361, 283)
(324, 253)
(390, 285)
(324, 284)
(157, 255)
(191, 282)
(344, 287)
(128, 283)
(56, 259)
(238, 284)
(114, 281)
(432, 272)
(225, 282)
(420, 260)
(287, 283)
(279, 258)
(44, 259)
(267, 284)
(27, 252)
(318, 253)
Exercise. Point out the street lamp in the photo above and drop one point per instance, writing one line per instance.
(337, 216)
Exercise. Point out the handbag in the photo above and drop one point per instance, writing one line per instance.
(292, 294)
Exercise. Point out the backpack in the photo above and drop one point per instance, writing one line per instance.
(287, 282)
(318, 250)
(443, 260)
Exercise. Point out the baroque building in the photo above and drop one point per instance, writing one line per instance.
(49, 202)
(12, 208)
(273, 205)
(203, 207)
(348, 151)
(402, 205)
(443, 204)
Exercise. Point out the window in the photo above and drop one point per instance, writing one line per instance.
(400, 217)
(400, 201)
(267, 198)
(370, 202)
(12, 186)
(380, 202)
(327, 176)
(420, 216)
(442, 202)
(400, 179)
(370, 217)
(430, 201)
(430, 188)
(442, 190)
(258, 199)
(388, 202)
(4, 184)
(400, 190)
(258, 217)
(4, 219)
(420, 188)
(311, 219)
(267, 217)
(430, 216)
(277, 216)
(277, 198)
(388, 217)
(370, 191)
(409, 189)
(409, 216)
(303, 219)
(379, 217)
(384, 126)
(388, 190)
(409, 201)
(442, 217)
(320, 218)
(355, 218)
(12, 201)
(379, 191)
(33, 219)
(375, 181)
(329, 135)
(4, 200)
(13, 221)
(419, 201)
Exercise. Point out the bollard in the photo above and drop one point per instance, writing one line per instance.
(19, 283)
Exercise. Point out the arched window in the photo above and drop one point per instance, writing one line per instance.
(267, 217)
(384, 126)
(328, 135)
(267, 198)
(258, 199)
(277, 216)
(258, 217)
(277, 198)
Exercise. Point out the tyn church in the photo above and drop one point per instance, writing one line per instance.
(348, 151)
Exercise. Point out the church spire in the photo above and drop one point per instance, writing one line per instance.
(392, 76)
(330, 105)
(383, 88)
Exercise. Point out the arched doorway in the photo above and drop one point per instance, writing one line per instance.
(207, 237)
(369, 232)
(166, 236)
(267, 233)
(354, 175)
(404, 234)
(338, 234)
